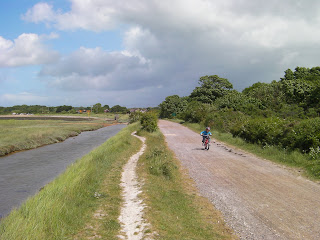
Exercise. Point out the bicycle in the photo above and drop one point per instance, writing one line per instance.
(206, 142)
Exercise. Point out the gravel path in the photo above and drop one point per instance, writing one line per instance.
(259, 199)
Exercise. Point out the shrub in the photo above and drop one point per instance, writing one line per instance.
(267, 131)
(149, 121)
(304, 135)
(225, 119)
(195, 112)
(134, 117)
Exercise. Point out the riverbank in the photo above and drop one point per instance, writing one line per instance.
(64, 206)
(23, 173)
(17, 134)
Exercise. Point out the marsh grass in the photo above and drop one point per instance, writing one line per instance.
(17, 135)
(64, 208)
(175, 210)
(302, 163)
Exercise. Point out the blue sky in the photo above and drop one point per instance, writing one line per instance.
(135, 53)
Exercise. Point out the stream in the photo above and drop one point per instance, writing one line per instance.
(24, 173)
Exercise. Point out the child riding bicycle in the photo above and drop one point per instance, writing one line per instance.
(206, 133)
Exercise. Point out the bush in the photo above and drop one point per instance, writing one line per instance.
(149, 121)
(135, 117)
(304, 135)
(225, 119)
(195, 112)
(264, 131)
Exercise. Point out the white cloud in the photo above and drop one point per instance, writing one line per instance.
(41, 12)
(97, 69)
(27, 49)
(173, 43)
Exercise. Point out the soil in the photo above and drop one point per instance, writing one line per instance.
(258, 199)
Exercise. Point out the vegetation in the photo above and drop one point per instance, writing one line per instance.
(64, 208)
(41, 109)
(284, 114)
(175, 210)
(16, 135)
(149, 121)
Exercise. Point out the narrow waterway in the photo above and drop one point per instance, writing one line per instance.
(22, 174)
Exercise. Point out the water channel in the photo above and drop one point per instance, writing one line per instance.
(22, 174)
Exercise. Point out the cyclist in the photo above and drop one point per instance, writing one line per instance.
(206, 133)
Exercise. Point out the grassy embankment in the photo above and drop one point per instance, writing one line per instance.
(17, 135)
(175, 210)
(85, 200)
(65, 206)
(310, 168)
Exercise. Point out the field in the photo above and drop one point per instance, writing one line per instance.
(19, 133)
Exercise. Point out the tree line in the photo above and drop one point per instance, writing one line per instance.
(282, 113)
(41, 109)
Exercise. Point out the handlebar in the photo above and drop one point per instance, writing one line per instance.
(207, 136)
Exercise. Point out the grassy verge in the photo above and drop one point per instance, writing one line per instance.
(64, 208)
(17, 135)
(175, 210)
(302, 162)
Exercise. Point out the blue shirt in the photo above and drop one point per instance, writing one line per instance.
(205, 133)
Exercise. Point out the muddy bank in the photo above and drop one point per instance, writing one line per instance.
(22, 174)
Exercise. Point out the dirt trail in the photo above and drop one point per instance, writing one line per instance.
(133, 225)
(259, 199)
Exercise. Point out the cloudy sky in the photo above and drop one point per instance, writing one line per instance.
(136, 52)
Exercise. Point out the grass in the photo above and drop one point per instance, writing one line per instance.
(64, 208)
(102, 116)
(301, 162)
(175, 210)
(17, 135)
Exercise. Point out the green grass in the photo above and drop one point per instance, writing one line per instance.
(175, 211)
(103, 116)
(302, 162)
(64, 207)
(17, 135)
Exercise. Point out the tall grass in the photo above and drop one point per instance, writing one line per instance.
(63, 208)
(302, 162)
(174, 208)
(16, 135)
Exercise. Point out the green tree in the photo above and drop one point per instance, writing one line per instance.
(97, 108)
(106, 107)
(118, 109)
(195, 112)
(63, 108)
(239, 102)
(269, 94)
(212, 87)
(172, 106)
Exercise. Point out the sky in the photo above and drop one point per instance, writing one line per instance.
(135, 53)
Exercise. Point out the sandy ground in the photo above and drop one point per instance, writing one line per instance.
(133, 225)
(259, 199)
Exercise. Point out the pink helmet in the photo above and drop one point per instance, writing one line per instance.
(208, 128)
